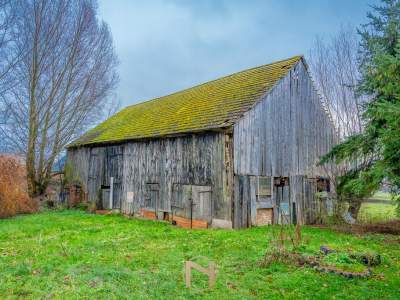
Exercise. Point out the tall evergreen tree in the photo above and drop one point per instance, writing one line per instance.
(375, 153)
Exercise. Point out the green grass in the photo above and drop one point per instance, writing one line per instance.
(73, 255)
(377, 212)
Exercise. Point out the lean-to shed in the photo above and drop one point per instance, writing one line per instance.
(238, 151)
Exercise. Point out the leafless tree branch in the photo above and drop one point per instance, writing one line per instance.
(62, 82)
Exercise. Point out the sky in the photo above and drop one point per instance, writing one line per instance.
(165, 46)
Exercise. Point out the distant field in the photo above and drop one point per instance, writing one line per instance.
(381, 197)
(377, 212)
(74, 255)
(379, 208)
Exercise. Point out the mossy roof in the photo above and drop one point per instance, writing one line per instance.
(215, 104)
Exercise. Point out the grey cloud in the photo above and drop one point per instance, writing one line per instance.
(165, 46)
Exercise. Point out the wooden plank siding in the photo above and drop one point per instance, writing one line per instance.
(196, 159)
(286, 133)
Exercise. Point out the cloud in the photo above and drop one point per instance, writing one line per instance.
(166, 46)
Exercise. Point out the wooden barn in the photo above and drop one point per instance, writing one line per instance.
(236, 152)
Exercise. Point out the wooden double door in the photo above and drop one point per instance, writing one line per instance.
(193, 202)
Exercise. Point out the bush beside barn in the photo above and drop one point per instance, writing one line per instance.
(14, 198)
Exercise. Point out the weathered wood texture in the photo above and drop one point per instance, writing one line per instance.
(296, 202)
(161, 171)
(303, 192)
(242, 202)
(284, 135)
(247, 201)
(94, 167)
(286, 132)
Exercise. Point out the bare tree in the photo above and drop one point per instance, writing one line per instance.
(334, 65)
(63, 81)
(8, 56)
(335, 68)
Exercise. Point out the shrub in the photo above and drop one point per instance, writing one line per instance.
(14, 198)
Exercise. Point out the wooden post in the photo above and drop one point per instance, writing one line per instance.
(111, 192)
(210, 272)
(187, 273)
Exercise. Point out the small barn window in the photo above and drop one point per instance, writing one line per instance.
(281, 181)
(264, 186)
(323, 185)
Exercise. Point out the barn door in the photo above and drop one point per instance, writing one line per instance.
(113, 165)
(194, 202)
(242, 202)
(311, 207)
(201, 196)
(282, 200)
(95, 175)
(152, 197)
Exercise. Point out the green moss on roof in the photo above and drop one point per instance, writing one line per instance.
(215, 104)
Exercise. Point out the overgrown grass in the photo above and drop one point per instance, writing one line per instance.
(72, 255)
(377, 212)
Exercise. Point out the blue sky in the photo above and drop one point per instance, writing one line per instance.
(166, 46)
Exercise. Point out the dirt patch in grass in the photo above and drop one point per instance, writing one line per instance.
(389, 227)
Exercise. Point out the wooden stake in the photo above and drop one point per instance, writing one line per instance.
(210, 272)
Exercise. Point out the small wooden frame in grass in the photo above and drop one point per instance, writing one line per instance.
(210, 272)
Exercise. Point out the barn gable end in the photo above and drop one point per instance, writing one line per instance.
(282, 138)
(286, 132)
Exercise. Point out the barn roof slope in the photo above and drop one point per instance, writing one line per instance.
(211, 105)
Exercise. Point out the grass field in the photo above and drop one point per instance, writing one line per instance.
(380, 208)
(377, 212)
(71, 255)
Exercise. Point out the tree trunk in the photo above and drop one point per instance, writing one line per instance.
(354, 207)
(37, 188)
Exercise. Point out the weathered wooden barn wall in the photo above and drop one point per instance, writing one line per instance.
(94, 166)
(285, 133)
(78, 161)
(172, 163)
(167, 166)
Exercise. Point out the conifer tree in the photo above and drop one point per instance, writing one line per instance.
(374, 154)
